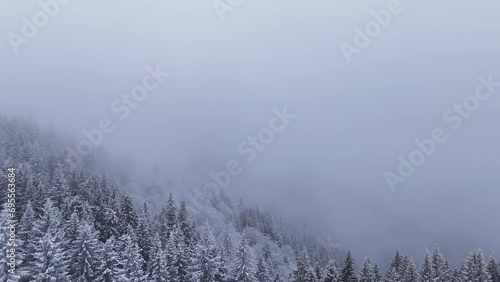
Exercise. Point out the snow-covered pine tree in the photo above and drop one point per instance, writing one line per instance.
(409, 271)
(128, 215)
(131, 260)
(365, 274)
(376, 274)
(332, 272)
(111, 270)
(349, 269)
(277, 278)
(209, 263)
(393, 275)
(396, 265)
(171, 215)
(50, 262)
(493, 269)
(426, 269)
(184, 225)
(158, 263)
(317, 273)
(59, 189)
(261, 273)
(440, 270)
(243, 268)
(5, 220)
(474, 268)
(172, 256)
(87, 250)
(227, 245)
(144, 235)
(111, 224)
(304, 271)
(27, 241)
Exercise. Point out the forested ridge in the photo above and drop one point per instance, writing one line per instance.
(75, 222)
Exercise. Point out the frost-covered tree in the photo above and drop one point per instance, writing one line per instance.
(227, 245)
(131, 260)
(426, 269)
(144, 235)
(59, 189)
(277, 278)
(396, 265)
(128, 215)
(474, 268)
(493, 269)
(376, 274)
(408, 270)
(87, 251)
(243, 268)
(349, 269)
(111, 270)
(209, 263)
(185, 226)
(6, 245)
(440, 270)
(261, 273)
(304, 272)
(26, 237)
(393, 276)
(157, 268)
(50, 264)
(365, 274)
(332, 272)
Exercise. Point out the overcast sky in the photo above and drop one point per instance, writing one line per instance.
(226, 77)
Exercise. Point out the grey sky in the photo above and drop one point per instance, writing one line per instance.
(227, 76)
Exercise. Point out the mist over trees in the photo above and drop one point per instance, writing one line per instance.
(76, 223)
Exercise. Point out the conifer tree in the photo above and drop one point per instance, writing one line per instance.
(6, 245)
(261, 273)
(393, 275)
(493, 269)
(27, 238)
(87, 250)
(184, 225)
(348, 270)
(131, 260)
(171, 215)
(111, 270)
(49, 250)
(409, 271)
(440, 270)
(365, 274)
(395, 265)
(210, 265)
(158, 262)
(332, 272)
(277, 278)
(128, 215)
(243, 269)
(144, 235)
(172, 257)
(426, 270)
(474, 268)
(376, 274)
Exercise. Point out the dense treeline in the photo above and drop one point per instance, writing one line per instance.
(434, 268)
(74, 223)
